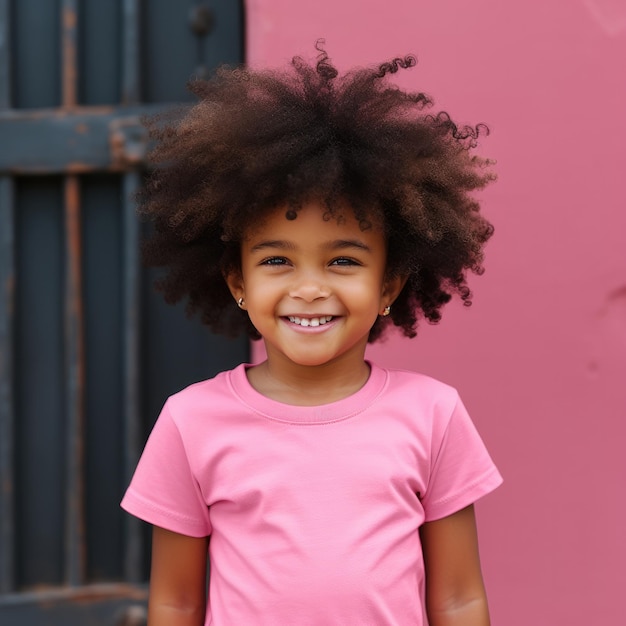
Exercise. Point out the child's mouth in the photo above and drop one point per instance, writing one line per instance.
(310, 321)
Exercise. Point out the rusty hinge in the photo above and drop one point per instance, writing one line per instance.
(128, 141)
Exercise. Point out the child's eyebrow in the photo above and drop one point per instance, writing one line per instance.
(340, 244)
(273, 243)
(337, 244)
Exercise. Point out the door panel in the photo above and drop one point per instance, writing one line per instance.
(88, 351)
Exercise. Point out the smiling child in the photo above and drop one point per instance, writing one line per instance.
(314, 211)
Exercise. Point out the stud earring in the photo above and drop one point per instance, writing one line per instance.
(386, 311)
(240, 303)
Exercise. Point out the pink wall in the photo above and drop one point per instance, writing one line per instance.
(541, 356)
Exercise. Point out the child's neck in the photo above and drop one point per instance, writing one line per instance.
(305, 385)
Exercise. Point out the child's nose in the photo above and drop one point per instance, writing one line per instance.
(309, 286)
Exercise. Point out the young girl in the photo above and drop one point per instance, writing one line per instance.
(314, 211)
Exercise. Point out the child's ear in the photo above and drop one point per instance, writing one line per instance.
(234, 280)
(392, 288)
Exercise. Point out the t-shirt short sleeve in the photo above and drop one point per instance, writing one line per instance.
(461, 469)
(163, 490)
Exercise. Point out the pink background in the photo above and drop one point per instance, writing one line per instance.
(540, 358)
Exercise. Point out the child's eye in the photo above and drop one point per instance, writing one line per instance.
(344, 262)
(274, 260)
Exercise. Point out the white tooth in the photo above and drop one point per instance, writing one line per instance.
(291, 319)
(323, 319)
(315, 321)
(304, 322)
(296, 320)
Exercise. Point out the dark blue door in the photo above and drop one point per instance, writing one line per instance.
(88, 352)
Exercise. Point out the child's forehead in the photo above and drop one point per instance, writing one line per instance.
(313, 213)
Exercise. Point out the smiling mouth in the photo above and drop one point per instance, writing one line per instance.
(310, 321)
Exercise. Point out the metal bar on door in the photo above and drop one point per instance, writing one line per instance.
(75, 373)
(5, 54)
(132, 424)
(7, 401)
(131, 52)
(7, 330)
(75, 544)
(49, 141)
(69, 53)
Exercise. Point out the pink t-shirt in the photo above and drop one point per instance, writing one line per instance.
(313, 511)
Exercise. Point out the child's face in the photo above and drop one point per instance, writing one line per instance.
(313, 288)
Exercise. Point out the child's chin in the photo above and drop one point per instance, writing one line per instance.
(310, 361)
(308, 358)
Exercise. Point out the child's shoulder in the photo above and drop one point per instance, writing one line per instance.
(210, 392)
(412, 387)
(423, 398)
(401, 378)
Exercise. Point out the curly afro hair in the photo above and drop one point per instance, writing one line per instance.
(259, 140)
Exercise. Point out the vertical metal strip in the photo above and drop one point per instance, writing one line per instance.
(132, 425)
(133, 555)
(7, 331)
(75, 372)
(5, 54)
(75, 541)
(69, 53)
(7, 406)
(130, 53)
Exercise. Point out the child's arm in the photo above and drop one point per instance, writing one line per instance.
(455, 593)
(177, 579)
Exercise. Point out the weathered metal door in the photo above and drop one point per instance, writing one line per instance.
(87, 352)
